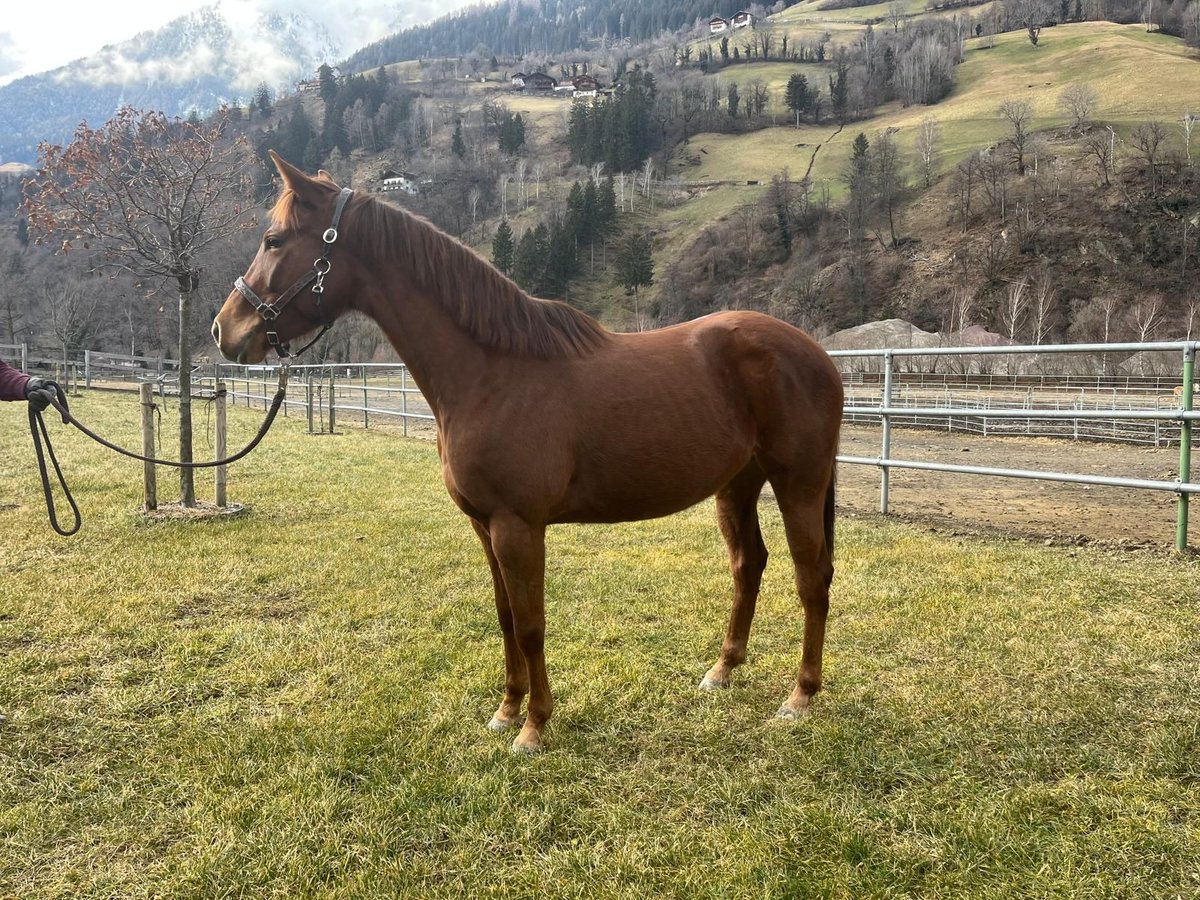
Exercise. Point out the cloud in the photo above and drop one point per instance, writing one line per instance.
(249, 54)
(10, 57)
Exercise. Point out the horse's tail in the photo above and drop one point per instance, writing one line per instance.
(830, 493)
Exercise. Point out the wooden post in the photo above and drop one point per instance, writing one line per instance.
(221, 444)
(332, 419)
(404, 398)
(87, 368)
(148, 472)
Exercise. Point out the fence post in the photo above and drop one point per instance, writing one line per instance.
(24, 357)
(332, 406)
(87, 368)
(366, 415)
(308, 398)
(1185, 448)
(885, 452)
(221, 441)
(404, 398)
(149, 479)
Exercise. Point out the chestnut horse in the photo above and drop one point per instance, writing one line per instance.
(543, 416)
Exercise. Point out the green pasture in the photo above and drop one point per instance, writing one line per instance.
(291, 703)
(1138, 77)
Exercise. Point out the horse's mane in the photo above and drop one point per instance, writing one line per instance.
(490, 307)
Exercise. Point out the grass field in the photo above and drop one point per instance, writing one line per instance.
(1138, 77)
(291, 703)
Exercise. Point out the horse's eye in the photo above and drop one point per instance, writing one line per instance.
(272, 243)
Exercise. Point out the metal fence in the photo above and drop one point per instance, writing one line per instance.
(1172, 423)
(883, 389)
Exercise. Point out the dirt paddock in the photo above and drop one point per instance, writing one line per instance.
(1043, 510)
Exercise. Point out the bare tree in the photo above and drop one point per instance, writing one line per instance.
(72, 314)
(1042, 307)
(887, 173)
(148, 195)
(1014, 307)
(1019, 115)
(538, 172)
(1147, 315)
(1101, 146)
(1078, 101)
(1148, 137)
(1188, 122)
(929, 147)
(473, 199)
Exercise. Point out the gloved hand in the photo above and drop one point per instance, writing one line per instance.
(40, 392)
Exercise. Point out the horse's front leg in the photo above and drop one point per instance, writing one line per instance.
(516, 675)
(520, 551)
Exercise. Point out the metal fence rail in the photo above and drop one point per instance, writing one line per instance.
(884, 387)
(1173, 425)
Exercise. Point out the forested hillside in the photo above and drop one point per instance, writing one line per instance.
(1015, 165)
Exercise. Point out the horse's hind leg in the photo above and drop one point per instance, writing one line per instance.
(737, 514)
(808, 521)
(516, 675)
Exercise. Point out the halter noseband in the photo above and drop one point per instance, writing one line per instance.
(321, 266)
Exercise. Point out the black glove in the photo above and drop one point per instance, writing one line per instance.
(41, 392)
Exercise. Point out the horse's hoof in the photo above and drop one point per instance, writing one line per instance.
(498, 724)
(713, 683)
(529, 741)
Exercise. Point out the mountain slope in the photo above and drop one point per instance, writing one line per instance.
(194, 62)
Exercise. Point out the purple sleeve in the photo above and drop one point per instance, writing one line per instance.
(12, 382)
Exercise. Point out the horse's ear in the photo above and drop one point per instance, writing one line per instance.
(322, 175)
(293, 178)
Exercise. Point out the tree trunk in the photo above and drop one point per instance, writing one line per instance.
(187, 484)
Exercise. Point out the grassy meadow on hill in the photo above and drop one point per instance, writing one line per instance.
(291, 703)
(1138, 77)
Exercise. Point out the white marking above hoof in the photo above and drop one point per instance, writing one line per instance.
(708, 683)
(497, 724)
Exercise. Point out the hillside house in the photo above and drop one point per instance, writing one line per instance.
(518, 81)
(585, 83)
(742, 19)
(540, 81)
(391, 180)
(718, 25)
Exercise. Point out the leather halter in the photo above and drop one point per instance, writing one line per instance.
(321, 266)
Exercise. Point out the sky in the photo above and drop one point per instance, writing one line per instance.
(32, 42)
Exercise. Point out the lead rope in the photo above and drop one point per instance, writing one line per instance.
(37, 428)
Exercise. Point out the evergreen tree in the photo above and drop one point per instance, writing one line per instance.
(296, 138)
(606, 207)
(457, 146)
(732, 99)
(262, 99)
(512, 133)
(502, 248)
(796, 96)
(591, 202)
(839, 89)
(328, 85)
(635, 265)
(561, 262)
(529, 262)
